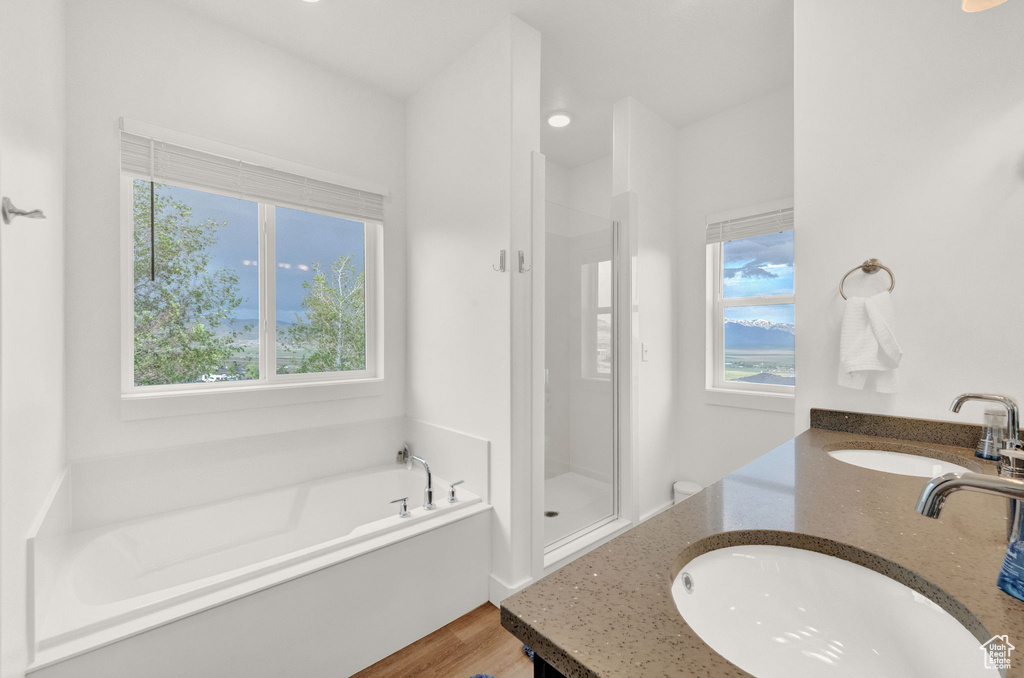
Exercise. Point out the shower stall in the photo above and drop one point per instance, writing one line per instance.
(581, 274)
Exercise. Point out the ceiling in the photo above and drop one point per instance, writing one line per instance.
(684, 59)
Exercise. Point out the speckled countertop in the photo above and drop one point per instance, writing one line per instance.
(610, 613)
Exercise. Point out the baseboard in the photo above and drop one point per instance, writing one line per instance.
(658, 509)
(499, 590)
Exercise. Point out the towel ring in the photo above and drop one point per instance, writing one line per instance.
(870, 266)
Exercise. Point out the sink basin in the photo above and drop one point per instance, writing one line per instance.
(784, 612)
(897, 462)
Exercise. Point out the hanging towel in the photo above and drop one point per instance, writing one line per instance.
(867, 344)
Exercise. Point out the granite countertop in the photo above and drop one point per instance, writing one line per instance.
(610, 613)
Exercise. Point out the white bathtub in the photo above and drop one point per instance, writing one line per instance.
(119, 580)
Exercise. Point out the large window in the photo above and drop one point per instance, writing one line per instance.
(752, 300)
(230, 290)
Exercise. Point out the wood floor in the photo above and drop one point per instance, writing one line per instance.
(474, 643)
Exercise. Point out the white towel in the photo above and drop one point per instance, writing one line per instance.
(867, 345)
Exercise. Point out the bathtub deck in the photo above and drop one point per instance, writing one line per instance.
(474, 643)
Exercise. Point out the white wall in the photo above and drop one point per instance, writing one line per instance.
(644, 162)
(741, 157)
(155, 62)
(590, 187)
(910, 149)
(465, 154)
(32, 126)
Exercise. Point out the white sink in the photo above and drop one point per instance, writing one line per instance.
(897, 462)
(783, 612)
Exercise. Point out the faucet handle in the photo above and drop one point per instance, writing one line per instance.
(403, 510)
(451, 491)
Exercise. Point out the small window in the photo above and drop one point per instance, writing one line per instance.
(242, 275)
(596, 302)
(751, 310)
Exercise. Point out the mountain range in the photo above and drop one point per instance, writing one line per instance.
(758, 334)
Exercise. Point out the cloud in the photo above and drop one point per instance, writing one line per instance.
(756, 255)
(751, 270)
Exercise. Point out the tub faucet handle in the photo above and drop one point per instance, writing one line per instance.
(403, 509)
(451, 491)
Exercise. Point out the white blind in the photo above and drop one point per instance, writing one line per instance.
(154, 160)
(764, 223)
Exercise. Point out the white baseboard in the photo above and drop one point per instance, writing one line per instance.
(499, 590)
(656, 510)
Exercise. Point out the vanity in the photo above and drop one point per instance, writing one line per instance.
(612, 612)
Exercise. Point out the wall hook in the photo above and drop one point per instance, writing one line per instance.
(500, 268)
(523, 268)
(9, 212)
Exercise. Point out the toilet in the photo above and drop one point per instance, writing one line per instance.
(684, 489)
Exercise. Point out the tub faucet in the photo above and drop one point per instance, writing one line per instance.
(428, 491)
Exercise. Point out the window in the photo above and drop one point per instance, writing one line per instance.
(243, 275)
(751, 292)
(596, 286)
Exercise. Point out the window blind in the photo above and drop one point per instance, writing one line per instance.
(146, 158)
(764, 223)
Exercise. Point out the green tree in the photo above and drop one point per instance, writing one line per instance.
(252, 371)
(332, 335)
(179, 316)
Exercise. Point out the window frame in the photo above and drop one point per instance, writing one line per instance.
(373, 374)
(717, 303)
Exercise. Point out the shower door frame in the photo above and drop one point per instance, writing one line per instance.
(625, 370)
(614, 379)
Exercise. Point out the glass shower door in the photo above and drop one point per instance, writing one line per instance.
(580, 491)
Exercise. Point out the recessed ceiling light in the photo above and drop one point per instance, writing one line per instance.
(980, 5)
(312, 0)
(559, 119)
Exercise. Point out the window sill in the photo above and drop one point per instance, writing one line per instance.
(156, 404)
(771, 402)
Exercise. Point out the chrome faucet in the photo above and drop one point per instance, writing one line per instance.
(1012, 439)
(1011, 465)
(933, 497)
(428, 491)
(934, 494)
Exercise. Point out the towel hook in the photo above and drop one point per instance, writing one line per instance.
(523, 268)
(870, 266)
(500, 268)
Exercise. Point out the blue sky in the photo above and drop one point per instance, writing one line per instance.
(302, 238)
(758, 266)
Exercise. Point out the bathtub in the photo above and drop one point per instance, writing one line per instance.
(120, 580)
